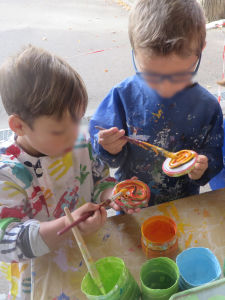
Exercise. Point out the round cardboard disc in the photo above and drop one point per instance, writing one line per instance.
(181, 170)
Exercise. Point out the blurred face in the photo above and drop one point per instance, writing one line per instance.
(49, 136)
(166, 65)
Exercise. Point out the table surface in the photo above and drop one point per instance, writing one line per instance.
(200, 221)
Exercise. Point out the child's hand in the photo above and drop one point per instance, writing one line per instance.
(200, 167)
(111, 141)
(126, 210)
(93, 223)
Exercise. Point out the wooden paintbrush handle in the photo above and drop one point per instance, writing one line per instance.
(85, 253)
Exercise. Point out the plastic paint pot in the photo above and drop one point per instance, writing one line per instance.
(116, 279)
(197, 266)
(159, 237)
(159, 279)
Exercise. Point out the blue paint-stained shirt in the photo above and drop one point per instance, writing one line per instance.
(191, 119)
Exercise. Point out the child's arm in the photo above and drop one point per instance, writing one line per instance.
(107, 144)
(22, 237)
(210, 160)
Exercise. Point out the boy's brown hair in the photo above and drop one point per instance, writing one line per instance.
(35, 83)
(163, 27)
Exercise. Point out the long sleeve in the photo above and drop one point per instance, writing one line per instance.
(109, 114)
(212, 147)
(20, 239)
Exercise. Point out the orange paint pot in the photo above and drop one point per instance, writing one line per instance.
(159, 237)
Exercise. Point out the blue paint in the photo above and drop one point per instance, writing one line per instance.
(80, 264)
(3, 150)
(197, 266)
(63, 297)
(106, 237)
(20, 171)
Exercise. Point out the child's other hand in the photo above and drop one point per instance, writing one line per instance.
(200, 166)
(126, 210)
(110, 140)
(93, 223)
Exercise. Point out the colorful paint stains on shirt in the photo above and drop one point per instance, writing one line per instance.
(36, 189)
(191, 119)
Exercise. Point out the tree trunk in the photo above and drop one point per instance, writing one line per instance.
(214, 9)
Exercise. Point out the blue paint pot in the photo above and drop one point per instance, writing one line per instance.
(197, 266)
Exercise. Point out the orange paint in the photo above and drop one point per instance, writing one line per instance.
(135, 193)
(181, 227)
(159, 237)
(159, 232)
(182, 157)
(206, 213)
(197, 211)
(163, 208)
(188, 241)
(174, 211)
(159, 229)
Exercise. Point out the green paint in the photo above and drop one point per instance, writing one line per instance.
(100, 187)
(83, 174)
(117, 281)
(159, 279)
(4, 223)
(90, 151)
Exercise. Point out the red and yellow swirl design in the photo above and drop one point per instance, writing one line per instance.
(182, 157)
(135, 194)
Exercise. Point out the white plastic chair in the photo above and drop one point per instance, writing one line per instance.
(5, 134)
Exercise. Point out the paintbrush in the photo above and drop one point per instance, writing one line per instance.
(88, 214)
(146, 146)
(85, 253)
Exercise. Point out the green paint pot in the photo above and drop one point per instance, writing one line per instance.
(159, 279)
(117, 281)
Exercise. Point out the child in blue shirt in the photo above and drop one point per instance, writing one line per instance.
(161, 104)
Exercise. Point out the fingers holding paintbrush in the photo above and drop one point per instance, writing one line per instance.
(89, 218)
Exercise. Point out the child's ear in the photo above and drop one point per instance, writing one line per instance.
(17, 125)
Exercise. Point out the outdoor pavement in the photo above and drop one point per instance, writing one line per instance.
(92, 36)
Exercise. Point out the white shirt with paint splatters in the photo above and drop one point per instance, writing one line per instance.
(36, 189)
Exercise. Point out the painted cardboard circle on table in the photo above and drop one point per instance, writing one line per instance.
(181, 170)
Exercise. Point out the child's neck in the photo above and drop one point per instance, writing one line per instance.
(23, 143)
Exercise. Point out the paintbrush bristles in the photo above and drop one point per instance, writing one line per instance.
(222, 82)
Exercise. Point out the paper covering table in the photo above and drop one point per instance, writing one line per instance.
(200, 221)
